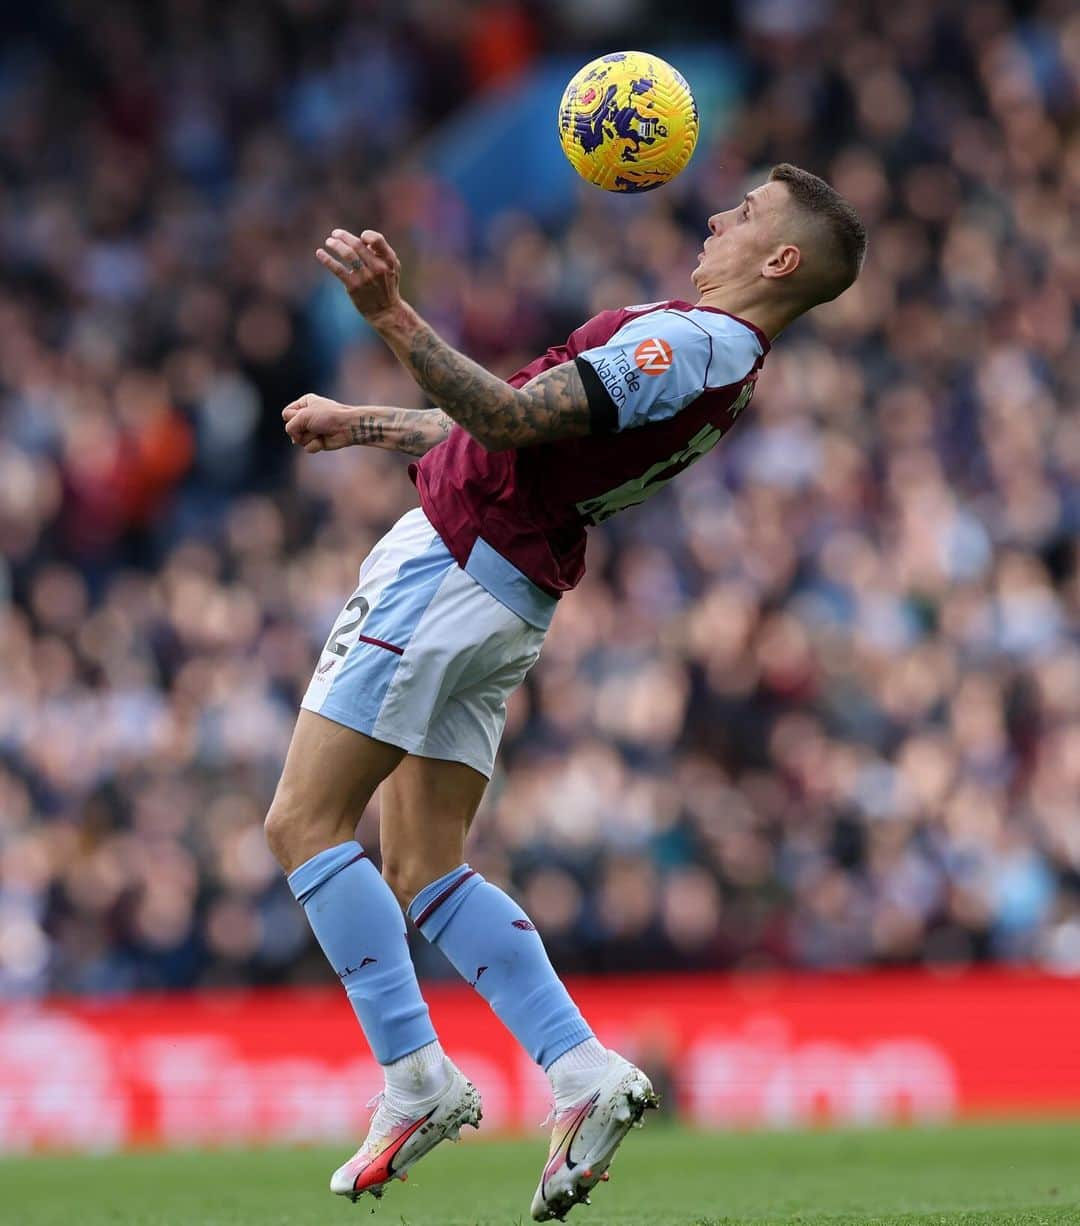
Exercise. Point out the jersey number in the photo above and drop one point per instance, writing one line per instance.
(333, 643)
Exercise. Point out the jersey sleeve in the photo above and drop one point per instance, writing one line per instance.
(649, 370)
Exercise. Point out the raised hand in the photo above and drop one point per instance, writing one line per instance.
(368, 268)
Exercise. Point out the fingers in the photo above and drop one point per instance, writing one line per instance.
(311, 443)
(369, 241)
(354, 255)
(296, 414)
(344, 254)
(377, 243)
(343, 274)
(348, 237)
(298, 417)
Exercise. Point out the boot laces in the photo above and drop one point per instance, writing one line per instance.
(386, 1116)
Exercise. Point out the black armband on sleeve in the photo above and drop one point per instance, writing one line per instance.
(603, 415)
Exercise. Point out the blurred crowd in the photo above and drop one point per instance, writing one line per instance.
(817, 704)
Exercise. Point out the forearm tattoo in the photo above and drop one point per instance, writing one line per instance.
(552, 406)
(422, 429)
(368, 431)
(413, 431)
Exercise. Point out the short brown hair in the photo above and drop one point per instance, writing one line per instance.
(845, 234)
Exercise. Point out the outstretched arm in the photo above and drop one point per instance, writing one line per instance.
(318, 424)
(554, 405)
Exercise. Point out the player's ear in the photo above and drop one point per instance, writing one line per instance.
(783, 261)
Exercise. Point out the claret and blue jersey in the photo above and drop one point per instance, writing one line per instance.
(665, 382)
(660, 361)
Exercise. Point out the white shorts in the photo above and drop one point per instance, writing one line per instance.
(425, 653)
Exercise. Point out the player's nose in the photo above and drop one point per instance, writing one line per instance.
(716, 222)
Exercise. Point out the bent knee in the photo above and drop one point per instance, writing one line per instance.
(281, 826)
(294, 834)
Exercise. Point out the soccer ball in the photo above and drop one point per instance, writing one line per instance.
(628, 122)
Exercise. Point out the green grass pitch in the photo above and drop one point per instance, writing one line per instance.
(983, 1175)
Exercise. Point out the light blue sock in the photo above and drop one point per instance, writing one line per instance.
(359, 925)
(493, 944)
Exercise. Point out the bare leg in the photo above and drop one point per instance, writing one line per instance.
(330, 774)
(426, 807)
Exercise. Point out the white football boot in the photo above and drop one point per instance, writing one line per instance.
(586, 1135)
(396, 1140)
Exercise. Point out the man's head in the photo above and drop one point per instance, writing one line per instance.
(794, 240)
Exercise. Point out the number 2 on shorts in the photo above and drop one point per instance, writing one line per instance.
(333, 643)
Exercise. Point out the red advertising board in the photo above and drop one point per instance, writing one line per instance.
(763, 1051)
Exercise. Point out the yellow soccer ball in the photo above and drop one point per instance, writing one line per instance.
(628, 122)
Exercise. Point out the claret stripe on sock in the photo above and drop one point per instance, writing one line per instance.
(432, 907)
(482, 929)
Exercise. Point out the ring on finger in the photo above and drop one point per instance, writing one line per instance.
(356, 266)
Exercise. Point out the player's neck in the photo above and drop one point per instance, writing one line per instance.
(770, 316)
